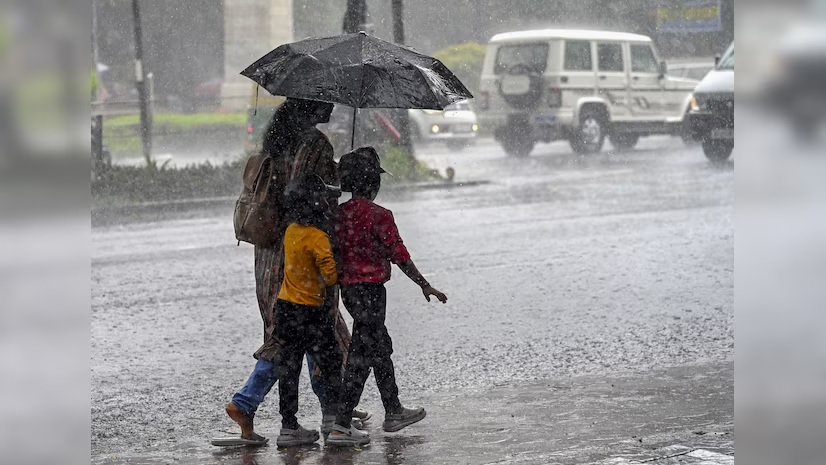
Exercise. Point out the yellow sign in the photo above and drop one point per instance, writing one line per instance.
(689, 16)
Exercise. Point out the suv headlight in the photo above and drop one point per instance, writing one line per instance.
(697, 103)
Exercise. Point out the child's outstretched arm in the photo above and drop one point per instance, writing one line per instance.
(409, 268)
(388, 234)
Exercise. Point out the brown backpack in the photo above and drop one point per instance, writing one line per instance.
(257, 216)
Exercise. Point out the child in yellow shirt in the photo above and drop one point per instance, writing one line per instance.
(304, 325)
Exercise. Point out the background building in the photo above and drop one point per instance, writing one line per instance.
(195, 50)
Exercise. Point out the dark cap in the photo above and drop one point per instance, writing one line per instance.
(363, 160)
(308, 185)
(305, 187)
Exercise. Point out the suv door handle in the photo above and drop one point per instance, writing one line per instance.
(602, 78)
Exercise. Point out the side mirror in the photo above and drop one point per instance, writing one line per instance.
(663, 69)
(716, 60)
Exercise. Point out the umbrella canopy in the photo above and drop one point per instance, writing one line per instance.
(357, 70)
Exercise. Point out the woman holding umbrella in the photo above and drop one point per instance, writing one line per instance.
(357, 70)
(298, 148)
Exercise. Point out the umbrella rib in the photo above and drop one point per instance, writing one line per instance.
(427, 80)
(362, 67)
(378, 71)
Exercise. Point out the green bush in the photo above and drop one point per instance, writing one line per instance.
(465, 60)
(404, 166)
(129, 184)
(120, 184)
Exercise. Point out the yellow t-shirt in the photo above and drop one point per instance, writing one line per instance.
(309, 266)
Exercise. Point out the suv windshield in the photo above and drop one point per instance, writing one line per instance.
(530, 57)
(727, 62)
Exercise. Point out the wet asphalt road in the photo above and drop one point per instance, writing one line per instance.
(561, 265)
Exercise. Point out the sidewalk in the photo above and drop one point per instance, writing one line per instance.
(676, 416)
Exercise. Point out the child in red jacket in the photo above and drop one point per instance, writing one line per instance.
(369, 242)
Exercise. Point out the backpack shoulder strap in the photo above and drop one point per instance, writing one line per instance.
(255, 167)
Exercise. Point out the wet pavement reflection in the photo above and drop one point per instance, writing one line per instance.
(559, 266)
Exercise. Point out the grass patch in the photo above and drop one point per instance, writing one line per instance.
(121, 134)
(181, 121)
(135, 184)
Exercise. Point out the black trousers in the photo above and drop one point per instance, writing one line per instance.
(370, 347)
(304, 329)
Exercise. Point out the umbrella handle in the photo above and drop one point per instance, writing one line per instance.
(353, 133)
(255, 110)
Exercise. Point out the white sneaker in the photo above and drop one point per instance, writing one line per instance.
(348, 437)
(296, 437)
(362, 415)
(328, 421)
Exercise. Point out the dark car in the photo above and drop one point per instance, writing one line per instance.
(796, 87)
(711, 115)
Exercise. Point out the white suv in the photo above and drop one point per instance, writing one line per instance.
(578, 85)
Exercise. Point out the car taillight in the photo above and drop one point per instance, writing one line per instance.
(484, 100)
(554, 97)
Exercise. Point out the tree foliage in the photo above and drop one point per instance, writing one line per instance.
(465, 60)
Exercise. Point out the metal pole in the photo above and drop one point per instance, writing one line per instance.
(355, 16)
(97, 142)
(403, 119)
(140, 79)
(398, 22)
(95, 57)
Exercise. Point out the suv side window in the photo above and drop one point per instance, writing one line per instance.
(642, 59)
(578, 55)
(609, 57)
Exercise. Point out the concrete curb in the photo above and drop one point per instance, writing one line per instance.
(214, 202)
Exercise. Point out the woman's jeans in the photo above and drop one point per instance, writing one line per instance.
(263, 378)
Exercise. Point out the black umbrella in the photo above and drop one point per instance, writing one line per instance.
(358, 70)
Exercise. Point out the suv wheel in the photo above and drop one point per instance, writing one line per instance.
(516, 138)
(685, 132)
(517, 146)
(624, 141)
(590, 135)
(717, 150)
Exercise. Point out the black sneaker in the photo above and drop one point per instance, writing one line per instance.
(296, 437)
(348, 437)
(408, 416)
